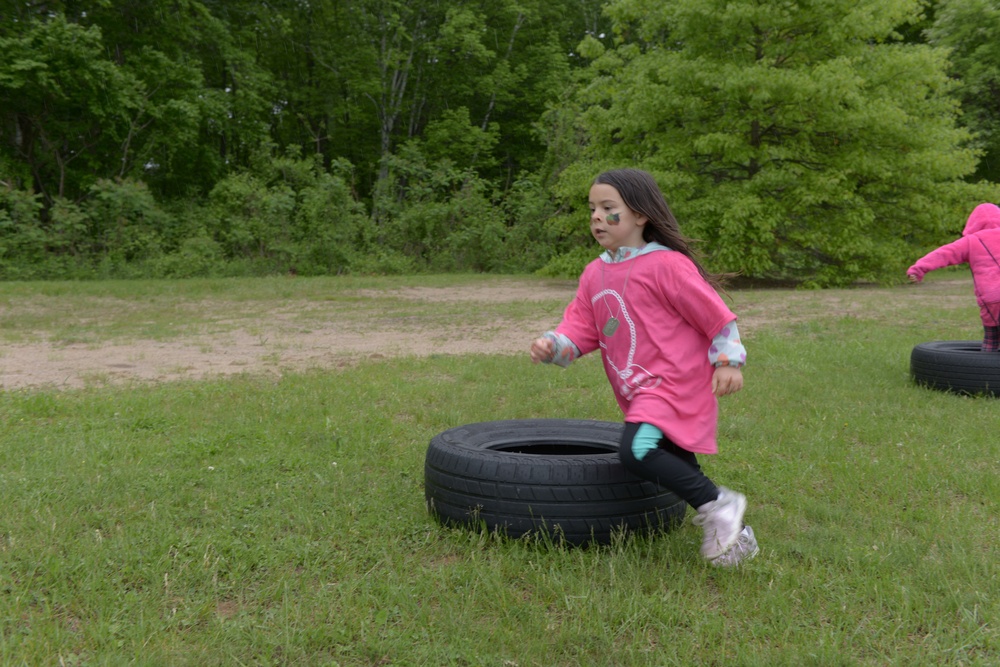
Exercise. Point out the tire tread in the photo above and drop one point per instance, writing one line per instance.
(956, 366)
(580, 498)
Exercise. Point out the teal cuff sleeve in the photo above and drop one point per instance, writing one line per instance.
(646, 439)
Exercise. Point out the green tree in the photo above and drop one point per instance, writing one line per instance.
(206, 105)
(23, 239)
(181, 95)
(324, 69)
(970, 30)
(798, 140)
(287, 214)
(65, 108)
(359, 80)
(158, 91)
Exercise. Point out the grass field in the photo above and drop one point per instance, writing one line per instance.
(264, 520)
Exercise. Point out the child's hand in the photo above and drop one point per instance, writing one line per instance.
(912, 278)
(726, 380)
(542, 349)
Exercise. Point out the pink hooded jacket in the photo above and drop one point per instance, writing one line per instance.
(980, 248)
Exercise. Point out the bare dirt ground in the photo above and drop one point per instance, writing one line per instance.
(275, 344)
(272, 344)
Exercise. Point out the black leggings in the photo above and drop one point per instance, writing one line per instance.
(669, 466)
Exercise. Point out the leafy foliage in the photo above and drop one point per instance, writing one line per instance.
(67, 107)
(819, 142)
(287, 215)
(968, 28)
(796, 140)
(22, 239)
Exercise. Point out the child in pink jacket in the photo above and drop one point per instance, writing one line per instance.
(980, 248)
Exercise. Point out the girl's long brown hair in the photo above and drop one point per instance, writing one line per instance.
(642, 195)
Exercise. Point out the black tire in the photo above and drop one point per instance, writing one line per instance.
(958, 366)
(557, 477)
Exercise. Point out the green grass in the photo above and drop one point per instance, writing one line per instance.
(263, 521)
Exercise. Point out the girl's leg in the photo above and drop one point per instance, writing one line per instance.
(991, 339)
(990, 313)
(666, 464)
(647, 453)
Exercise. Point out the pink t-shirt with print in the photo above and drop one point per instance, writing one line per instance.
(657, 358)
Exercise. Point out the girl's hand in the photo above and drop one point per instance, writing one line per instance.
(542, 350)
(913, 278)
(726, 380)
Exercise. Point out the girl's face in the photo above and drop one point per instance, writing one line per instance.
(612, 223)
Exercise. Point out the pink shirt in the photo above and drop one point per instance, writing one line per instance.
(656, 359)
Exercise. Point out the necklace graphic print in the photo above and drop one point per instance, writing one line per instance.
(611, 326)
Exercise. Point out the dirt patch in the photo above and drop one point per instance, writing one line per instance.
(277, 343)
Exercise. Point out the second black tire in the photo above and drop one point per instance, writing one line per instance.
(959, 366)
(559, 477)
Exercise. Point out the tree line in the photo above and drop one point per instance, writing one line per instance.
(817, 142)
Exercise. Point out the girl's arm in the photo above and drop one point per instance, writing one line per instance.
(554, 348)
(728, 355)
(726, 348)
(956, 252)
(576, 335)
(726, 380)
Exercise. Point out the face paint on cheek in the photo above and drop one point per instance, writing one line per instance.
(614, 218)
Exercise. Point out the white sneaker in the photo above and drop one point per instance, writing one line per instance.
(722, 520)
(744, 549)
